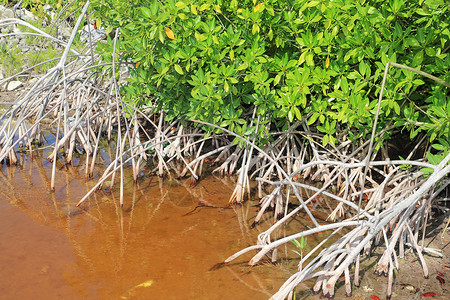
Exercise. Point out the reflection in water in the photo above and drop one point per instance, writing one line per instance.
(149, 249)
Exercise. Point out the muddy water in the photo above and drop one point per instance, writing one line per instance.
(156, 247)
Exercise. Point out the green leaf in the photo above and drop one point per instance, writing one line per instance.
(322, 118)
(179, 69)
(396, 108)
(270, 34)
(291, 116)
(418, 82)
(303, 242)
(250, 131)
(255, 28)
(226, 87)
(426, 171)
(332, 140)
(243, 66)
(344, 84)
(147, 12)
(434, 159)
(309, 59)
(313, 118)
(182, 16)
(204, 7)
(298, 115)
(296, 243)
(418, 58)
(180, 5)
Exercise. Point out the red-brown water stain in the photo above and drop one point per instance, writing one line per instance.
(33, 257)
(145, 250)
(149, 249)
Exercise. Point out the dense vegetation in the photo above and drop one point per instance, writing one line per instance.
(321, 61)
(291, 60)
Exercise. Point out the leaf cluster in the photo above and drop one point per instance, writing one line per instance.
(219, 60)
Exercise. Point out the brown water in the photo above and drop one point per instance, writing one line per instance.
(155, 247)
(148, 250)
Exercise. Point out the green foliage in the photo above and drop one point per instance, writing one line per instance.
(323, 61)
(443, 149)
(300, 245)
(10, 59)
(13, 60)
(36, 58)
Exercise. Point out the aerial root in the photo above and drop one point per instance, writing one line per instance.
(225, 168)
(393, 217)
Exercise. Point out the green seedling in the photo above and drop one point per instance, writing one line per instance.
(300, 245)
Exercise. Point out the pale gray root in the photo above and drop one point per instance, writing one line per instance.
(198, 164)
(224, 167)
(23, 106)
(266, 202)
(67, 94)
(242, 183)
(337, 259)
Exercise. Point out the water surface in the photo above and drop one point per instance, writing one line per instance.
(155, 247)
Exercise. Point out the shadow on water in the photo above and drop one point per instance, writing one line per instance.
(152, 248)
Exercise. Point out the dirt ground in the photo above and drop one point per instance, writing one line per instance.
(410, 282)
(6, 97)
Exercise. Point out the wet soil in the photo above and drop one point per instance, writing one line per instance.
(409, 281)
